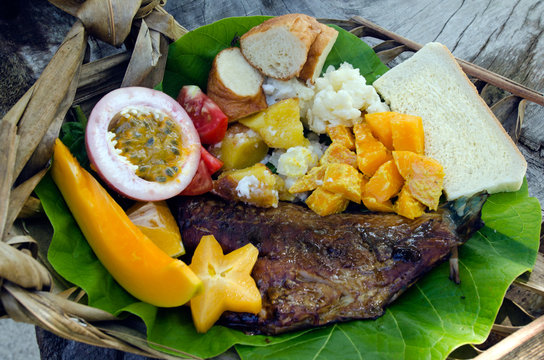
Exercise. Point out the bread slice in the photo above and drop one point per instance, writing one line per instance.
(461, 132)
(279, 47)
(235, 85)
(318, 53)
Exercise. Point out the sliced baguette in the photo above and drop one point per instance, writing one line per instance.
(318, 53)
(461, 132)
(279, 47)
(235, 85)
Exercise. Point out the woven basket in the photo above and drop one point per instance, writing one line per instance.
(28, 292)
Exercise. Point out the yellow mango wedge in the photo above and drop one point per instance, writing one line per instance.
(134, 261)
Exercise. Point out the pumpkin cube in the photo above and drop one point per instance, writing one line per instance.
(380, 125)
(424, 176)
(255, 185)
(385, 183)
(279, 125)
(373, 204)
(343, 135)
(408, 206)
(371, 153)
(407, 133)
(310, 181)
(338, 153)
(345, 180)
(324, 202)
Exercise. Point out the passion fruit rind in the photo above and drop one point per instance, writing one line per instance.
(113, 162)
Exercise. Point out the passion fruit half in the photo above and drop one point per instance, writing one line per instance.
(142, 143)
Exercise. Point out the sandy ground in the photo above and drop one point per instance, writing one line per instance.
(17, 341)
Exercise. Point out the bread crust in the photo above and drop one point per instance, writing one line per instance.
(302, 26)
(318, 53)
(233, 105)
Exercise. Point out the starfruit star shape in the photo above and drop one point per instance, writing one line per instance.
(228, 285)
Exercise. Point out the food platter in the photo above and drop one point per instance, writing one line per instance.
(341, 334)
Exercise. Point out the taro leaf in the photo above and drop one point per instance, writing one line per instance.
(190, 58)
(436, 316)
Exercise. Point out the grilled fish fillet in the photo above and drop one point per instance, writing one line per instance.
(315, 270)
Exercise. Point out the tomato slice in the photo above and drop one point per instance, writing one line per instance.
(209, 120)
(201, 183)
(212, 163)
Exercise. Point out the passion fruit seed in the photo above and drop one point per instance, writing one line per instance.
(149, 140)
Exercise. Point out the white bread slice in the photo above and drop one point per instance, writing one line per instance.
(461, 132)
(318, 53)
(279, 47)
(235, 85)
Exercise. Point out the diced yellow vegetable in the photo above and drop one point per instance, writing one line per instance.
(310, 181)
(380, 125)
(240, 148)
(424, 176)
(324, 202)
(342, 135)
(279, 125)
(408, 206)
(373, 204)
(345, 180)
(283, 192)
(338, 153)
(254, 185)
(371, 153)
(385, 183)
(407, 133)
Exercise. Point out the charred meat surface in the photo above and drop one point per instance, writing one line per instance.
(315, 270)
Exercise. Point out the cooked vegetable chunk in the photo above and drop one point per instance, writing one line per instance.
(345, 180)
(324, 202)
(279, 125)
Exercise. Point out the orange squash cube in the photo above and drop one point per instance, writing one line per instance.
(310, 181)
(338, 153)
(407, 205)
(380, 125)
(385, 183)
(324, 202)
(371, 153)
(373, 204)
(345, 180)
(407, 133)
(342, 135)
(424, 176)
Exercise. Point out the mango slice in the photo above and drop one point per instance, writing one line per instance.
(134, 261)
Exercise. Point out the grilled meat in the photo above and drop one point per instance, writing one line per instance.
(315, 270)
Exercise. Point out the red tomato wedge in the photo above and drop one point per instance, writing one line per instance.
(212, 163)
(202, 182)
(209, 120)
